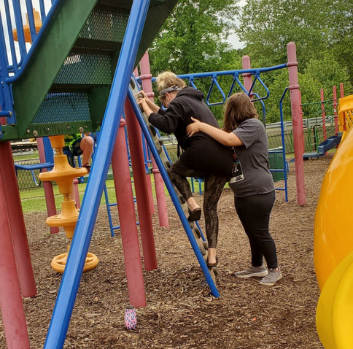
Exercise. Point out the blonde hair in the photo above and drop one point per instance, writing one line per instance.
(168, 79)
(237, 109)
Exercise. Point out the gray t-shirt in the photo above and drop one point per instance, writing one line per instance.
(254, 176)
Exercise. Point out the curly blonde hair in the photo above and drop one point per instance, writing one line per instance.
(168, 79)
(237, 109)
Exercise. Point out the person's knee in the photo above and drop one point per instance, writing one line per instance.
(87, 142)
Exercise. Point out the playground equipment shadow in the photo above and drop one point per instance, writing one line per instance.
(180, 312)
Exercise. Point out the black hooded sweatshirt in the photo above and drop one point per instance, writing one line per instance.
(201, 152)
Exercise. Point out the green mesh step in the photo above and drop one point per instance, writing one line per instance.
(63, 107)
(85, 69)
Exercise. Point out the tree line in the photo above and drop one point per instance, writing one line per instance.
(194, 39)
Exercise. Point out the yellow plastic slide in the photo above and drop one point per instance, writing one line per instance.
(333, 243)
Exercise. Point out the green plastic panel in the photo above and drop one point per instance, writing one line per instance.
(276, 162)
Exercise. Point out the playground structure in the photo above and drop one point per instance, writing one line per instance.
(78, 91)
(63, 174)
(323, 133)
(333, 242)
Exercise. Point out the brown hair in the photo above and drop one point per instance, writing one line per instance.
(168, 79)
(237, 109)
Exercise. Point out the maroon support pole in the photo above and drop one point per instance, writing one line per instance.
(12, 312)
(158, 180)
(127, 218)
(76, 193)
(334, 92)
(138, 169)
(341, 90)
(48, 187)
(148, 176)
(16, 221)
(298, 137)
(323, 113)
(301, 115)
(247, 76)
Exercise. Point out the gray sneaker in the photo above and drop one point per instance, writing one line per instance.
(252, 272)
(273, 276)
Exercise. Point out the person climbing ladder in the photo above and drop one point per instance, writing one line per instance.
(76, 145)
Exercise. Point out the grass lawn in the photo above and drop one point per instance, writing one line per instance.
(34, 200)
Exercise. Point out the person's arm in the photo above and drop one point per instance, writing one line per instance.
(225, 138)
(150, 104)
(146, 108)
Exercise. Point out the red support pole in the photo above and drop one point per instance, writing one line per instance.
(247, 76)
(334, 92)
(48, 187)
(11, 306)
(76, 193)
(158, 180)
(298, 137)
(341, 90)
(323, 113)
(127, 218)
(16, 221)
(138, 169)
(301, 115)
(148, 176)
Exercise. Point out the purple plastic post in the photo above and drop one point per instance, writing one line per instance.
(297, 120)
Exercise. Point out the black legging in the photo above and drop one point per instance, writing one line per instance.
(213, 190)
(254, 213)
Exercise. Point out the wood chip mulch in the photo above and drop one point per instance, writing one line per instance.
(181, 312)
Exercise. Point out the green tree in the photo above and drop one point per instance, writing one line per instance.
(193, 39)
(268, 25)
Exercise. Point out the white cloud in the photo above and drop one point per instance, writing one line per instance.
(233, 38)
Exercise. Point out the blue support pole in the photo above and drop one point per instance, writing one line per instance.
(31, 23)
(73, 271)
(172, 194)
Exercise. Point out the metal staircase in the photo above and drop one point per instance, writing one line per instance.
(62, 85)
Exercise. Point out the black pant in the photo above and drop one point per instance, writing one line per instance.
(213, 190)
(254, 213)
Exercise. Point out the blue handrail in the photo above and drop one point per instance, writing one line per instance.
(91, 200)
(283, 147)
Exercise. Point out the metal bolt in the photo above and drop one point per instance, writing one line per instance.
(28, 131)
(35, 133)
(81, 129)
